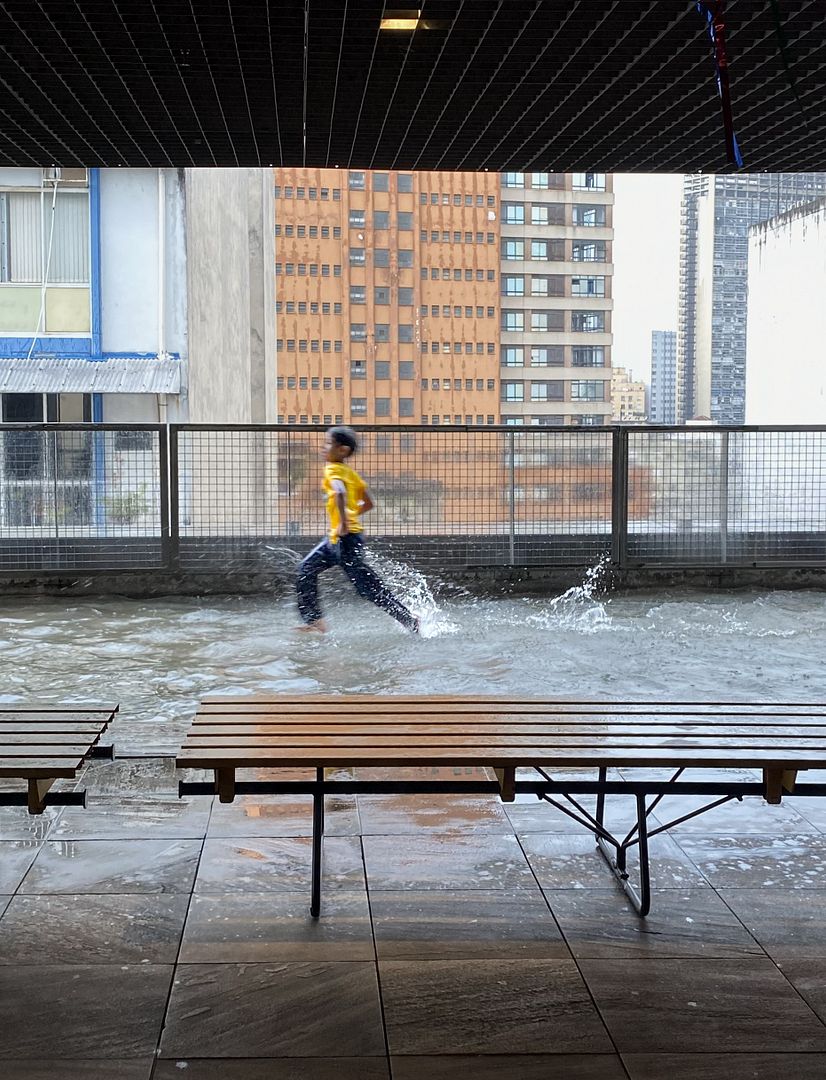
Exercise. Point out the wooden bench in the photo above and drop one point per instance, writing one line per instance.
(43, 743)
(354, 730)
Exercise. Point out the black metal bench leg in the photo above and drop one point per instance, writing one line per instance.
(617, 859)
(642, 901)
(318, 836)
(600, 814)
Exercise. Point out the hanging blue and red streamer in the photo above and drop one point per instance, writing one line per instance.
(714, 15)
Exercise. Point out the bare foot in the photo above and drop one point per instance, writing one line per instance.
(317, 627)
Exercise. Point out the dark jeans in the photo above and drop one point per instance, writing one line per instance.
(348, 553)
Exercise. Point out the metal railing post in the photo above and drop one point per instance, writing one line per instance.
(163, 497)
(619, 497)
(724, 496)
(512, 501)
(173, 515)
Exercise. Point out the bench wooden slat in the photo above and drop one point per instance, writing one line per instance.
(352, 705)
(85, 732)
(51, 738)
(39, 768)
(418, 742)
(527, 756)
(753, 731)
(470, 699)
(47, 750)
(49, 707)
(106, 715)
(68, 716)
(346, 719)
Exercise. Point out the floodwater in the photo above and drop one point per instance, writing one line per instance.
(158, 657)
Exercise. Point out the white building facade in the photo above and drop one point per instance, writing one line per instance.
(786, 342)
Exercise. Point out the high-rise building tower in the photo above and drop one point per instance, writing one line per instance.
(557, 233)
(717, 212)
(663, 399)
(387, 297)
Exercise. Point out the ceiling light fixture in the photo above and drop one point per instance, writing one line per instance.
(407, 19)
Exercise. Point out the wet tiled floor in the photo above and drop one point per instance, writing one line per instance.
(147, 938)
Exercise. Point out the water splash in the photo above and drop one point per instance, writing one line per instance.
(579, 608)
(415, 592)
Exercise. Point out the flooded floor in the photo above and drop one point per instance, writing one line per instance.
(148, 937)
(156, 658)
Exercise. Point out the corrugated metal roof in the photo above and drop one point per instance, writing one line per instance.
(69, 375)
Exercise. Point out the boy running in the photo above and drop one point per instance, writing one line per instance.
(347, 499)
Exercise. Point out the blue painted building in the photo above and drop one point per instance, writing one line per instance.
(92, 297)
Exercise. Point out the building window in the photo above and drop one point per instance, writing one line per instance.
(545, 321)
(358, 369)
(404, 222)
(513, 180)
(513, 285)
(358, 406)
(588, 286)
(381, 219)
(513, 249)
(588, 216)
(405, 406)
(382, 406)
(513, 356)
(589, 181)
(356, 219)
(548, 214)
(358, 332)
(513, 391)
(539, 180)
(358, 294)
(381, 296)
(513, 213)
(547, 355)
(405, 332)
(406, 371)
(357, 256)
(548, 250)
(548, 391)
(404, 182)
(588, 356)
(548, 420)
(356, 181)
(547, 285)
(587, 390)
(405, 259)
(405, 297)
(587, 322)
(589, 251)
(381, 257)
(513, 321)
(382, 369)
(382, 331)
(381, 181)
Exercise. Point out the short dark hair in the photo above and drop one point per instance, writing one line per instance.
(344, 436)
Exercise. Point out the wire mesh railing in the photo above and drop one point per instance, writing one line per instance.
(83, 497)
(220, 499)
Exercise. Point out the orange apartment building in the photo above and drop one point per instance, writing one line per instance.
(387, 297)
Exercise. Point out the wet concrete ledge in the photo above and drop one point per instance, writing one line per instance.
(492, 580)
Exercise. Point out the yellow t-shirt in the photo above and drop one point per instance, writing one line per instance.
(336, 473)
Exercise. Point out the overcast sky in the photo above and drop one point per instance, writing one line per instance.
(646, 264)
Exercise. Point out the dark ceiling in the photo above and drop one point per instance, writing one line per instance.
(493, 84)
